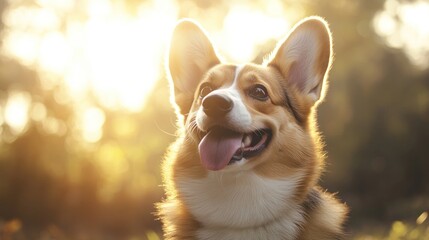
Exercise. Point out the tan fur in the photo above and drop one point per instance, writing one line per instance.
(325, 221)
(295, 78)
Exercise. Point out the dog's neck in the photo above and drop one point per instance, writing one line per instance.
(239, 204)
(287, 227)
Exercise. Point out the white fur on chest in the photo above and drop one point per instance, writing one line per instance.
(242, 205)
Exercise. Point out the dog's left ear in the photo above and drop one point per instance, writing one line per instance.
(304, 58)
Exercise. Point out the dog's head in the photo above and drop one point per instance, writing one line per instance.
(251, 116)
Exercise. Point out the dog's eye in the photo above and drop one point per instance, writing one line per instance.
(205, 89)
(258, 92)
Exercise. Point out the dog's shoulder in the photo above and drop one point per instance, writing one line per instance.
(325, 216)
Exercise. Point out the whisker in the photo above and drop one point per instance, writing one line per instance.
(164, 131)
(220, 179)
(253, 128)
(192, 127)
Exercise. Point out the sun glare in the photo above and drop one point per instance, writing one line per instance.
(245, 28)
(112, 53)
(16, 111)
(404, 25)
(91, 123)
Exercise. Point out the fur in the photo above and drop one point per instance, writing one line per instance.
(273, 195)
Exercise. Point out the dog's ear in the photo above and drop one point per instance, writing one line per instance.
(191, 54)
(304, 58)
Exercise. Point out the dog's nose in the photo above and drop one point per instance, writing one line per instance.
(217, 105)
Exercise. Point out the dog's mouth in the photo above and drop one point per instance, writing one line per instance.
(221, 146)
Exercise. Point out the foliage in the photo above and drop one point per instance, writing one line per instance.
(399, 231)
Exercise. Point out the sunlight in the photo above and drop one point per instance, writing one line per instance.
(54, 53)
(1, 118)
(21, 45)
(16, 111)
(123, 53)
(38, 112)
(404, 25)
(54, 126)
(23, 39)
(422, 218)
(245, 28)
(114, 54)
(91, 123)
(62, 5)
(112, 164)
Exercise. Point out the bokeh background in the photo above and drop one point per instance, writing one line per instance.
(85, 115)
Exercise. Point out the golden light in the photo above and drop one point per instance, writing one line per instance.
(245, 28)
(110, 160)
(21, 45)
(120, 55)
(404, 25)
(1, 118)
(38, 112)
(16, 111)
(90, 123)
(112, 53)
(422, 218)
(55, 126)
(54, 53)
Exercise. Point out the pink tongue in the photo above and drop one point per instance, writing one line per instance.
(218, 147)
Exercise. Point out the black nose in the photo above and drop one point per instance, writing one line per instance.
(217, 105)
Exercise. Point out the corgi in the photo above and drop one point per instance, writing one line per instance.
(248, 155)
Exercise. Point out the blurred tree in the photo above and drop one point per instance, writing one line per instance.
(375, 120)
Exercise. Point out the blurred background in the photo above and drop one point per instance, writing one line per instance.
(85, 115)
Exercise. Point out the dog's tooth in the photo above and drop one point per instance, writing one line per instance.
(247, 140)
(239, 154)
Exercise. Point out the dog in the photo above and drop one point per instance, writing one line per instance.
(248, 155)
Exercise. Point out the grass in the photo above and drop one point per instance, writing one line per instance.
(401, 231)
(398, 230)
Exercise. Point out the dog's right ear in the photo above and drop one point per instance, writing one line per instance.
(191, 54)
(304, 58)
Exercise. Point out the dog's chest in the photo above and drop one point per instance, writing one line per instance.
(242, 201)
